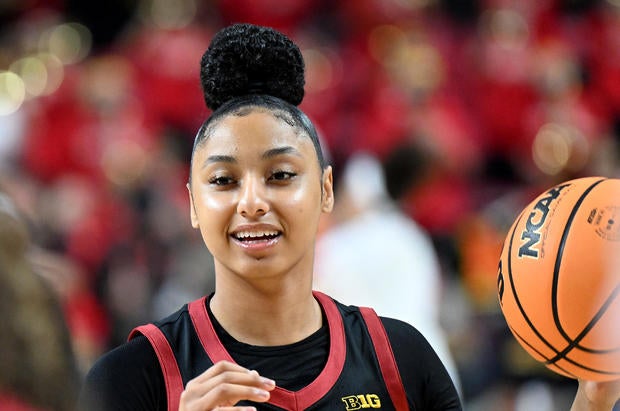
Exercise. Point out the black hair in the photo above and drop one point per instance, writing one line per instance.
(252, 67)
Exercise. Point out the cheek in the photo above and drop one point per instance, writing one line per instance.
(211, 208)
(215, 203)
(303, 201)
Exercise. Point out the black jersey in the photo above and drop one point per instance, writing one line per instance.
(357, 371)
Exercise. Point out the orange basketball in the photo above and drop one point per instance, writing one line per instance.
(559, 278)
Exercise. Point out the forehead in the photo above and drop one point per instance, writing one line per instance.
(255, 131)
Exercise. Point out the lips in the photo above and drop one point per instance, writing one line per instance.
(256, 238)
(256, 235)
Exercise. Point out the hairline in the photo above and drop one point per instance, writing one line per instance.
(206, 129)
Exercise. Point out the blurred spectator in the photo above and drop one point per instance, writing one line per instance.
(38, 369)
(66, 277)
(389, 262)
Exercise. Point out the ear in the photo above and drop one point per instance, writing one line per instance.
(327, 198)
(192, 211)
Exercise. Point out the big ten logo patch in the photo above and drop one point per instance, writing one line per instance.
(361, 401)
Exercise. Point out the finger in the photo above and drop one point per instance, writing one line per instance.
(227, 385)
(250, 379)
(228, 372)
(221, 397)
(221, 367)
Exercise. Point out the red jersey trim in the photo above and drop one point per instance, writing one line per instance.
(280, 397)
(385, 355)
(169, 366)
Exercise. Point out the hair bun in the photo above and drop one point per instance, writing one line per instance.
(245, 59)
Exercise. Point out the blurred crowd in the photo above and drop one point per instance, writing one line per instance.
(478, 105)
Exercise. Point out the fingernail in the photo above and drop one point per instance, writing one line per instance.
(262, 393)
(268, 382)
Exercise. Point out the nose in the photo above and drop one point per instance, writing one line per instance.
(252, 198)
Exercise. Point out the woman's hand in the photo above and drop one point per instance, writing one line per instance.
(596, 396)
(222, 386)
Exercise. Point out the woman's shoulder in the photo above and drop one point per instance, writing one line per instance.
(122, 378)
(128, 377)
(401, 331)
(136, 351)
(394, 327)
(424, 376)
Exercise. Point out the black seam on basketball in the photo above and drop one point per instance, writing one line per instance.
(603, 309)
(554, 287)
(584, 367)
(569, 360)
(557, 357)
(589, 326)
(524, 341)
(516, 297)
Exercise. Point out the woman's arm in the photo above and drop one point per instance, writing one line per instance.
(596, 396)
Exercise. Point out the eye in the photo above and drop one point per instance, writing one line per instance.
(282, 175)
(221, 181)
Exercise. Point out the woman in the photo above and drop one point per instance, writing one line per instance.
(258, 186)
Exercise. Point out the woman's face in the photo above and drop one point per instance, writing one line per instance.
(257, 194)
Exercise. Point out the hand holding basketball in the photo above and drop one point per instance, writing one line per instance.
(594, 396)
(559, 279)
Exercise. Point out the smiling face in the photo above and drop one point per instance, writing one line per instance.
(257, 193)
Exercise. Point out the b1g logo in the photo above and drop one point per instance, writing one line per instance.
(535, 221)
(361, 401)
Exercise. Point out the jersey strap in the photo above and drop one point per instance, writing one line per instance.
(167, 361)
(288, 400)
(385, 355)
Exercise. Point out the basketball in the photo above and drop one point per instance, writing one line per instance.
(559, 278)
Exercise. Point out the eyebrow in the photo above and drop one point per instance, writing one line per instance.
(219, 159)
(271, 153)
(278, 151)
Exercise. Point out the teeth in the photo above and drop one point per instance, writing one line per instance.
(255, 234)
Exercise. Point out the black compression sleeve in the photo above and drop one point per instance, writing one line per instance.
(426, 380)
(128, 378)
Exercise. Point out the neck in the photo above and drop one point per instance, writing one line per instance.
(263, 315)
